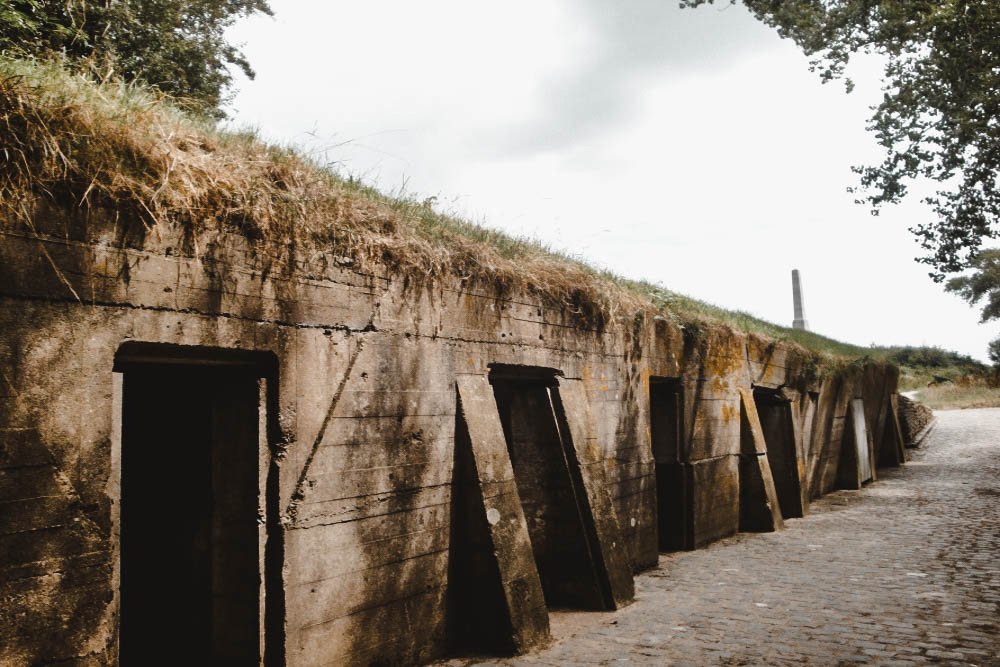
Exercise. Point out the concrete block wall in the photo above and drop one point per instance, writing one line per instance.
(364, 421)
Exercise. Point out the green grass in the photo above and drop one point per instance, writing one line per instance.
(923, 366)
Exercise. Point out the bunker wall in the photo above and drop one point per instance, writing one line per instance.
(364, 414)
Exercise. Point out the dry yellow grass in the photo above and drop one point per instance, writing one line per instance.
(108, 145)
(103, 144)
(956, 397)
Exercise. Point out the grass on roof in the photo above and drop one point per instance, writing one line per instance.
(82, 142)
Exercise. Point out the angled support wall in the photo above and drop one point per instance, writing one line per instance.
(892, 451)
(515, 619)
(759, 508)
(801, 449)
(856, 462)
(586, 463)
(777, 418)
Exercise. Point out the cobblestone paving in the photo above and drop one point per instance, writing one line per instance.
(905, 571)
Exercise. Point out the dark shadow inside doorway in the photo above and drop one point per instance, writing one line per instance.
(192, 527)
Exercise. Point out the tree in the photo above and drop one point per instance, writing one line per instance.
(939, 118)
(981, 283)
(177, 46)
(994, 351)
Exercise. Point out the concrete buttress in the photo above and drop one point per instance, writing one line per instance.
(586, 463)
(494, 494)
(759, 508)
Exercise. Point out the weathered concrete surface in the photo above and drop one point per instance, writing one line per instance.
(487, 488)
(892, 449)
(586, 465)
(902, 572)
(759, 508)
(856, 462)
(358, 463)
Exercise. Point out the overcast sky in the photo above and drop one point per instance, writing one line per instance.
(692, 148)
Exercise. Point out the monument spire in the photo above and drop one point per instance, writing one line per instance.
(800, 314)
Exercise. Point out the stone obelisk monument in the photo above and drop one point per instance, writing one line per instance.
(800, 314)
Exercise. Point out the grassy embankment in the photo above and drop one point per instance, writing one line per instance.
(945, 380)
(103, 144)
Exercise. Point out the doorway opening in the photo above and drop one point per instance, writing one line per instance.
(666, 409)
(890, 451)
(548, 493)
(775, 413)
(195, 503)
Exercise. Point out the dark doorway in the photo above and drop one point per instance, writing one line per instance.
(191, 514)
(546, 488)
(775, 413)
(666, 407)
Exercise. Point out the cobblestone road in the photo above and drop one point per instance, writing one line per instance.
(906, 571)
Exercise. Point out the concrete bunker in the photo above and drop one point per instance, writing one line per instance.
(666, 408)
(557, 524)
(193, 549)
(361, 567)
(777, 423)
(385, 539)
